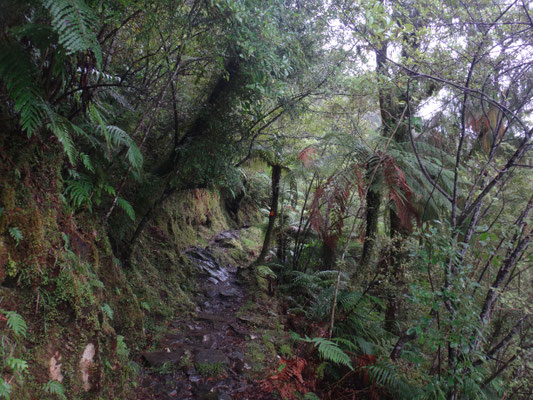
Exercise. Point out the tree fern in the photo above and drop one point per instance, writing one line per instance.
(74, 22)
(383, 374)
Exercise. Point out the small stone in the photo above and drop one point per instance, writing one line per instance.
(229, 292)
(236, 355)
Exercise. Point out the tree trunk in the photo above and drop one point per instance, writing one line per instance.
(276, 177)
(398, 256)
(373, 201)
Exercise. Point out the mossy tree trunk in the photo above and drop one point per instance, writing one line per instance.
(373, 201)
(276, 177)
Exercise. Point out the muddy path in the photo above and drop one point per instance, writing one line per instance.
(205, 356)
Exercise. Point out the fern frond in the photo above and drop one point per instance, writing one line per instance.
(16, 323)
(119, 138)
(86, 160)
(17, 364)
(65, 131)
(5, 389)
(127, 207)
(55, 388)
(79, 191)
(20, 77)
(330, 351)
(74, 22)
(107, 310)
(348, 299)
(122, 348)
(16, 234)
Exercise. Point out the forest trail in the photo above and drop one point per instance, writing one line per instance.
(205, 357)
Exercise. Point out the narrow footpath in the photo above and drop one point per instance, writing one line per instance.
(205, 357)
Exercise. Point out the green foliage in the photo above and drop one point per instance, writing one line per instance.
(85, 192)
(329, 350)
(16, 234)
(127, 207)
(19, 75)
(79, 191)
(55, 388)
(5, 389)
(122, 348)
(10, 362)
(16, 364)
(210, 369)
(15, 322)
(107, 310)
(75, 22)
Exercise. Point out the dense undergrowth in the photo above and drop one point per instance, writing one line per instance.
(378, 154)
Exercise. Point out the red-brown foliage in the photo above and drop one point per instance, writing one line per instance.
(289, 381)
(399, 192)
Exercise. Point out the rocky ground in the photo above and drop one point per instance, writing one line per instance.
(209, 356)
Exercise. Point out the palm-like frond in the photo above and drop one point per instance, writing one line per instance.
(20, 77)
(329, 351)
(126, 207)
(65, 131)
(74, 22)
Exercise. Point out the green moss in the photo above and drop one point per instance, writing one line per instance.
(7, 203)
(212, 370)
(256, 354)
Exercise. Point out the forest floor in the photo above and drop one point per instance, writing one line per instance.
(223, 351)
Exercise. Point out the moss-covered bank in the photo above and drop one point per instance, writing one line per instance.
(87, 314)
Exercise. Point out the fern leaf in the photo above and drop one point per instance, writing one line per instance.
(120, 137)
(20, 77)
(107, 310)
(79, 191)
(16, 234)
(17, 364)
(331, 352)
(127, 207)
(122, 348)
(328, 350)
(86, 160)
(64, 130)
(5, 389)
(74, 22)
(55, 388)
(16, 323)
